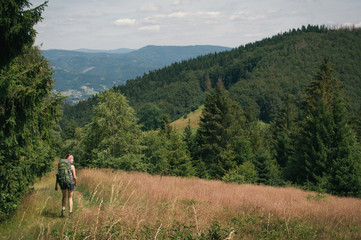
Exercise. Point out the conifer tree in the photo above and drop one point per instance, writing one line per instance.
(17, 20)
(220, 124)
(28, 109)
(326, 157)
(28, 113)
(283, 130)
(178, 156)
(189, 138)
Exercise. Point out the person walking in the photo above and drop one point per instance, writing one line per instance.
(66, 178)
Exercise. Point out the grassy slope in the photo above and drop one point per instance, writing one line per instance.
(192, 117)
(118, 205)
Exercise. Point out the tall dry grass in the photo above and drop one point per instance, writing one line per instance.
(119, 205)
(143, 200)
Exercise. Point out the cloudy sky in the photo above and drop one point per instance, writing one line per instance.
(112, 24)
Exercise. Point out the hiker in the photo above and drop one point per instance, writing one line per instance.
(66, 178)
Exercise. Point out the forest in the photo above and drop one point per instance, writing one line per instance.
(282, 111)
(277, 112)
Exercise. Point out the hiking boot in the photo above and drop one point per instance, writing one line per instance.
(62, 213)
(70, 213)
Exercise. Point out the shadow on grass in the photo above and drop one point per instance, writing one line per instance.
(50, 213)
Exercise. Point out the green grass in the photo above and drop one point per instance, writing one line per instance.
(192, 117)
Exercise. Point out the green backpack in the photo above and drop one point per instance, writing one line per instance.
(64, 175)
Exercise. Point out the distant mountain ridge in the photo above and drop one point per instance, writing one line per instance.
(118, 50)
(260, 76)
(82, 73)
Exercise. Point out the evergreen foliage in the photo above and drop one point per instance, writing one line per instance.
(220, 124)
(17, 20)
(28, 113)
(260, 74)
(325, 148)
(28, 110)
(283, 130)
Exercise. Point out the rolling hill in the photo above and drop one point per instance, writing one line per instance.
(82, 73)
(259, 75)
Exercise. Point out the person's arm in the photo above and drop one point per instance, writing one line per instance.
(56, 184)
(74, 175)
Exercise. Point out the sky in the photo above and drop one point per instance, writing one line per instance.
(113, 24)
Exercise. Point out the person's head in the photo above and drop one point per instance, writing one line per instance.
(70, 157)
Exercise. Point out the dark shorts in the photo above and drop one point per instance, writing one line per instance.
(67, 186)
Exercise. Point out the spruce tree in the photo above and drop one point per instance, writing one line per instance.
(283, 130)
(17, 20)
(326, 156)
(189, 139)
(178, 157)
(28, 109)
(28, 112)
(220, 124)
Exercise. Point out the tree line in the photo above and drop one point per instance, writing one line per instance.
(311, 146)
(262, 75)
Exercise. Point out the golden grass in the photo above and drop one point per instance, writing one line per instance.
(119, 205)
(142, 199)
(193, 117)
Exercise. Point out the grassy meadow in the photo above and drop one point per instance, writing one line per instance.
(119, 205)
(192, 118)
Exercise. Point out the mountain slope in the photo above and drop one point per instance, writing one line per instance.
(80, 74)
(260, 75)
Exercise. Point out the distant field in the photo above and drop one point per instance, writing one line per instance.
(192, 117)
(119, 205)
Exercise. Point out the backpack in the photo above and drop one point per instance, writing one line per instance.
(64, 175)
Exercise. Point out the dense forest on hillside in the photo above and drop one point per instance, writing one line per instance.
(260, 75)
(80, 74)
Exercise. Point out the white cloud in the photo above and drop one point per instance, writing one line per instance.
(149, 8)
(348, 24)
(177, 2)
(153, 28)
(177, 15)
(253, 15)
(124, 22)
(85, 23)
(252, 35)
(185, 15)
(207, 14)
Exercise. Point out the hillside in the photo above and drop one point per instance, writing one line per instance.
(82, 73)
(191, 118)
(259, 75)
(119, 205)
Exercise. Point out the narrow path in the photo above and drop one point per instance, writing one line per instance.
(38, 214)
